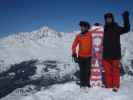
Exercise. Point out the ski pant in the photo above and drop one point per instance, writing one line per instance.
(85, 70)
(112, 73)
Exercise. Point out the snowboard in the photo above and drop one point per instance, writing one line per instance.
(96, 61)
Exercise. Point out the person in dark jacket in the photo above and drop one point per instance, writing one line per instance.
(112, 49)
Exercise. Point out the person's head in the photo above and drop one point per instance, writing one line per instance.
(97, 24)
(84, 26)
(109, 18)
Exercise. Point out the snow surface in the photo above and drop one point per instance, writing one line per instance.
(47, 44)
(43, 44)
(71, 91)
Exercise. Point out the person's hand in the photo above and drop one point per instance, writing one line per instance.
(126, 18)
(125, 14)
(75, 58)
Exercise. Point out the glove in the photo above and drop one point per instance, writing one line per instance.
(125, 14)
(75, 58)
(126, 17)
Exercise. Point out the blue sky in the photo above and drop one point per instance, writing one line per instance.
(61, 15)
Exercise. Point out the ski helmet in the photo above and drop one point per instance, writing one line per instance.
(85, 24)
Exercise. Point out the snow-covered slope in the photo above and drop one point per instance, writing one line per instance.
(127, 51)
(71, 91)
(44, 43)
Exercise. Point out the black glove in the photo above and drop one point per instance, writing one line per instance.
(125, 14)
(126, 17)
(75, 58)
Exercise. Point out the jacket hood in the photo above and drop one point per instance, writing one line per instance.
(109, 15)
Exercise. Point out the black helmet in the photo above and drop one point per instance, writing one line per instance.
(85, 24)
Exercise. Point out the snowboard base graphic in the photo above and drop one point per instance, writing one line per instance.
(96, 62)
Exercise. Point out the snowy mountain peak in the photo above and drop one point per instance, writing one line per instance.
(46, 31)
(41, 33)
(23, 46)
(45, 28)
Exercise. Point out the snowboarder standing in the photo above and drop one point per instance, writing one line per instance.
(84, 41)
(112, 49)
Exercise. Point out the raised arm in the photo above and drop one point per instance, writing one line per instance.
(126, 23)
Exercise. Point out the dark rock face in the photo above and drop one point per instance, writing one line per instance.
(19, 75)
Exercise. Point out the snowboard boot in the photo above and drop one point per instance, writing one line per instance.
(115, 89)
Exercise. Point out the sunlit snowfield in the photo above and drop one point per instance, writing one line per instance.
(46, 54)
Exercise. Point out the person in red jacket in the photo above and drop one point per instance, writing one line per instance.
(84, 41)
(112, 49)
